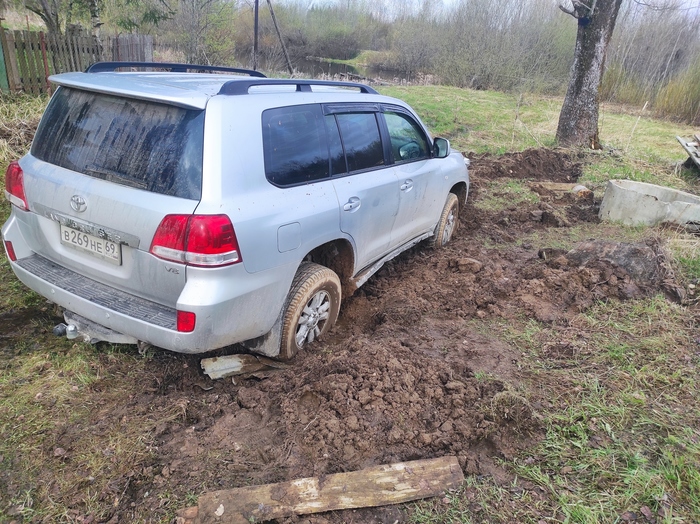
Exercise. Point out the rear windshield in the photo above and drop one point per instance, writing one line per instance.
(150, 146)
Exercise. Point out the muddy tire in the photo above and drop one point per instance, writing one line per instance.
(447, 224)
(311, 308)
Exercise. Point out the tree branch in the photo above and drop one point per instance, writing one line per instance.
(579, 9)
(664, 6)
(568, 11)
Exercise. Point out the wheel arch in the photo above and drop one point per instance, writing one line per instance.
(462, 191)
(339, 256)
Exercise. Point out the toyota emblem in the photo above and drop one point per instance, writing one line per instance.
(77, 203)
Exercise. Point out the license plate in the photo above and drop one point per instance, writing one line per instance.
(99, 247)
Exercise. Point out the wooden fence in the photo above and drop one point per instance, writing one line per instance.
(30, 57)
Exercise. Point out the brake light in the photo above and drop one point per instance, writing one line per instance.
(186, 321)
(14, 186)
(196, 240)
(10, 251)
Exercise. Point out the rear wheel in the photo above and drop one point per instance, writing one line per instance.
(447, 224)
(311, 309)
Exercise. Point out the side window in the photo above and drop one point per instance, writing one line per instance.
(361, 140)
(408, 141)
(335, 145)
(294, 145)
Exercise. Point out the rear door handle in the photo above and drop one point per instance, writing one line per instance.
(407, 185)
(352, 205)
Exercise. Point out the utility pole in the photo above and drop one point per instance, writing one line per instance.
(279, 35)
(255, 37)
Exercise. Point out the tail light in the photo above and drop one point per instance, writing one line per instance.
(196, 240)
(10, 251)
(14, 186)
(186, 321)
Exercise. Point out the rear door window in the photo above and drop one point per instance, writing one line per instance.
(307, 143)
(295, 145)
(361, 140)
(146, 145)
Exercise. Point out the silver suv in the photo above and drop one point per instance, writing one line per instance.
(194, 210)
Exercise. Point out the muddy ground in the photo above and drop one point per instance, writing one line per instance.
(410, 371)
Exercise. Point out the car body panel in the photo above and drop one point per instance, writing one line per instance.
(276, 227)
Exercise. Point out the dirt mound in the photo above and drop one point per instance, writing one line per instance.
(363, 401)
(532, 164)
(538, 282)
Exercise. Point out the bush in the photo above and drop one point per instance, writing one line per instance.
(680, 98)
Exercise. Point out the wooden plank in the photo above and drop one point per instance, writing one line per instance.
(8, 46)
(553, 186)
(83, 53)
(4, 85)
(14, 35)
(70, 54)
(34, 63)
(21, 47)
(692, 148)
(66, 65)
(370, 487)
(63, 65)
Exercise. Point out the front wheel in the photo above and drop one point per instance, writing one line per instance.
(447, 224)
(311, 309)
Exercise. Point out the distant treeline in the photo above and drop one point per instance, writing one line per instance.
(507, 45)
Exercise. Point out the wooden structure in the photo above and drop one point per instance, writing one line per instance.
(692, 147)
(370, 487)
(30, 56)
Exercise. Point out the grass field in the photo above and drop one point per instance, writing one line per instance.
(621, 438)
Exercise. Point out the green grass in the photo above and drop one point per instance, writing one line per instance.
(50, 423)
(506, 193)
(483, 121)
(625, 435)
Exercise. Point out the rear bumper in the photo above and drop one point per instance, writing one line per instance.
(231, 305)
(218, 325)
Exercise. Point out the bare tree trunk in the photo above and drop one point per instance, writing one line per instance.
(95, 21)
(48, 11)
(578, 120)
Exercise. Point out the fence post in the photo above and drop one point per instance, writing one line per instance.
(42, 39)
(8, 44)
(4, 84)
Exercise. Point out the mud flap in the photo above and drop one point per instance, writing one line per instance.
(269, 343)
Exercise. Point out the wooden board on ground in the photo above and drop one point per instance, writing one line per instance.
(692, 147)
(370, 487)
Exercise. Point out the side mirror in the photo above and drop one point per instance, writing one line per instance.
(441, 148)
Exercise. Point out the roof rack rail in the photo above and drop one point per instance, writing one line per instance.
(103, 67)
(241, 87)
